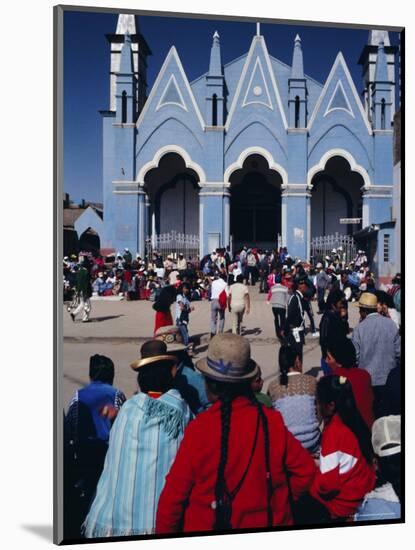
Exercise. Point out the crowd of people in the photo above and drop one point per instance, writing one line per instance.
(199, 446)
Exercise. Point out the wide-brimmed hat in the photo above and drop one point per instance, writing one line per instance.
(172, 337)
(368, 300)
(153, 352)
(228, 359)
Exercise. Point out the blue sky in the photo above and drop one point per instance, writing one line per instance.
(87, 61)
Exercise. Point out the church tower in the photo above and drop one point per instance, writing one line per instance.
(125, 85)
(368, 60)
(382, 93)
(128, 23)
(297, 102)
(215, 86)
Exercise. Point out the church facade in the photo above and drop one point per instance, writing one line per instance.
(251, 152)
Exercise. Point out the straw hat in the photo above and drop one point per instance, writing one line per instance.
(368, 300)
(172, 337)
(228, 359)
(153, 352)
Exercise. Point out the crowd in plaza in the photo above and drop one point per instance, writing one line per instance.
(199, 446)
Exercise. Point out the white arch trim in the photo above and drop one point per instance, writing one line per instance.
(171, 149)
(338, 153)
(256, 151)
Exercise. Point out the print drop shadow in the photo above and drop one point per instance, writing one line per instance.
(45, 532)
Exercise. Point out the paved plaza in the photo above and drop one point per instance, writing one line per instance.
(118, 328)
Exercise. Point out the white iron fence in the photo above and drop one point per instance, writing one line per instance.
(323, 246)
(173, 244)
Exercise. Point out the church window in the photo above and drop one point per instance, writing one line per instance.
(382, 114)
(124, 107)
(386, 243)
(215, 110)
(297, 112)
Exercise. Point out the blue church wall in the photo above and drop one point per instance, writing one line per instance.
(213, 156)
(297, 158)
(254, 133)
(110, 167)
(383, 159)
(380, 209)
(385, 267)
(266, 102)
(296, 237)
(283, 74)
(341, 137)
(126, 224)
(170, 131)
(211, 221)
(171, 97)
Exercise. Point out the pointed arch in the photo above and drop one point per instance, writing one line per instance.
(171, 149)
(354, 167)
(256, 151)
(171, 56)
(340, 62)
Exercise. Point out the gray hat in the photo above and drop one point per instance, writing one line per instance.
(171, 336)
(228, 359)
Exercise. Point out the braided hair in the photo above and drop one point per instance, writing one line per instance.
(338, 389)
(227, 392)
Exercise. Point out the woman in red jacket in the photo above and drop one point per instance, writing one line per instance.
(233, 465)
(346, 467)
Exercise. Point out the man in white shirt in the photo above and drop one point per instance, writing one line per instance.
(238, 303)
(217, 287)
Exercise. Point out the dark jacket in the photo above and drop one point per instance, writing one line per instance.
(332, 327)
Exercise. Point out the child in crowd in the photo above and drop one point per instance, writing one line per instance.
(346, 470)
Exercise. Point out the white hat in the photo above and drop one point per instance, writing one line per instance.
(386, 435)
(319, 265)
(334, 251)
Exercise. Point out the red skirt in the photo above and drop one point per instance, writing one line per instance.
(163, 319)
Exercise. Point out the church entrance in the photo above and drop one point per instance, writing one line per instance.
(89, 241)
(173, 193)
(255, 205)
(336, 195)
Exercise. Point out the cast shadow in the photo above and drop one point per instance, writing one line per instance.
(44, 532)
(106, 318)
(255, 331)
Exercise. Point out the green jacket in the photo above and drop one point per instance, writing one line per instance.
(83, 282)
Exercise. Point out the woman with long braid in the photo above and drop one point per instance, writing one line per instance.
(233, 465)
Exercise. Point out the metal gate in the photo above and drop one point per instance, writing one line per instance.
(323, 246)
(172, 244)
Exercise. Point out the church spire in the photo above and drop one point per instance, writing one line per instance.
(127, 22)
(377, 36)
(381, 72)
(126, 62)
(215, 83)
(215, 65)
(297, 69)
(297, 89)
(382, 97)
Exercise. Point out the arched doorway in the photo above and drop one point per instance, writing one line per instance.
(255, 218)
(89, 241)
(336, 195)
(174, 197)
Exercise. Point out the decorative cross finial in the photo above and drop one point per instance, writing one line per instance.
(258, 29)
